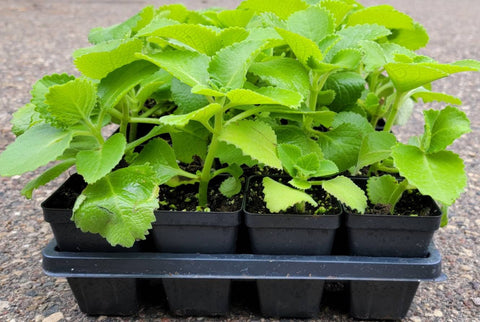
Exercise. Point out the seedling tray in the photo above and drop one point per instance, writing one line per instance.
(201, 272)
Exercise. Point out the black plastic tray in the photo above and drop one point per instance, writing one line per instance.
(240, 266)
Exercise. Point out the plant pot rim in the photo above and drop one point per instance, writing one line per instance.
(197, 218)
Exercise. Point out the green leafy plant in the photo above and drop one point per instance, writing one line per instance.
(297, 88)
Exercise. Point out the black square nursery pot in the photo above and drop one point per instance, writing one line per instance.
(290, 234)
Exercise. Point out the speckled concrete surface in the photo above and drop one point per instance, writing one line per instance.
(37, 37)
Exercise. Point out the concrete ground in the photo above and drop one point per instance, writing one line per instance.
(37, 37)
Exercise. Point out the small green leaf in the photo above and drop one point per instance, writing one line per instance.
(307, 165)
(230, 187)
(35, 148)
(376, 146)
(188, 67)
(283, 72)
(385, 190)
(280, 197)
(293, 135)
(191, 141)
(255, 138)
(72, 102)
(230, 65)
(374, 57)
(264, 95)
(97, 61)
(46, 177)
(345, 190)
(235, 18)
(443, 127)
(40, 89)
(440, 175)
(348, 58)
(356, 120)
(384, 15)
(338, 9)
(95, 164)
(411, 39)
(184, 98)
(314, 23)
(119, 206)
(201, 115)
(428, 96)
(305, 49)
(230, 154)
(300, 184)
(348, 87)
(284, 10)
(24, 118)
(289, 154)
(232, 35)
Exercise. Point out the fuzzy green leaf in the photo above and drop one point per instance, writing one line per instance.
(283, 72)
(314, 23)
(95, 164)
(356, 120)
(189, 67)
(40, 89)
(35, 148)
(428, 97)
(374, 57)
(338, 9)
(46, 177)
(235, 18)
(284, 10)
(97, 61)
(376, 146)
(71, 102)
(305, 49)
(280, 197)
(230, 154)
(264, 95)
(384, 15)
(293, 135)
(443, 127)
(440, 175)
(119, 206)
(184, 98)
(384, 190)
(232, 35)
(191, 141)
(201, 115)
(345, 190)
(24, 118)
(230, 187)
(411, 39)
(255, 138)
(230, 65)
(289, 154)
(348, 87)
(119, 82)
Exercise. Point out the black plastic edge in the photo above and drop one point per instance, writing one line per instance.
(240, 266)
(194, 218)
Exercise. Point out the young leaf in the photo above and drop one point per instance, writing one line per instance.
(384, 190)
(374, 57)
(97, 61)
(356, 120)
(307, 165)
(46, 177)
(376, 146)
(347, 192)
(283, 11)
(24, 118)
(230, 154)
(230, 187)
(283, 72)
(348, 87)
(443, 127)
(95, 164)
(348, 58)
(35, 148)
(293, 135)
(440, 175)
(40, 89)
(201, 115)
(305, 49)
(289, 155)
(255, 138)
(161, 157)
(280, 197)
(189, 67)
(411, 39)
(232, 35)
(384, 15)
(191, 141)
(338, 9)
(428, 96)
(119, 206)
(314, 23)
(71, 102)
(235, 18)
(184, 98)
(264, 95)
(230, 65)
(119, 82)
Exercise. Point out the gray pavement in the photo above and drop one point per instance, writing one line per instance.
(37, 37)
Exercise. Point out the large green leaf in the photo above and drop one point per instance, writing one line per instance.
(348, 87)
(230, 154)
(338, 9)
(119, 82)
(189, 67)
(443, 127)
(40, 89)
(283, 10)
(428, 96)
(376, 146)
(191, 141)
(235, 18)
(283, 72)
(255, 138)
(46, 177)
(314, 23)
(119, 206)
(201, 115)
(72, 102)
(384, 15)
(280, 197)
(230, 65)
(440, 175)
(305, 49)
(184, 98)
(35, 148)
(411, 39)
(293, 135)
(264, 95)
(95, 164)
(97, 61)
(385, 190)
(345, 190)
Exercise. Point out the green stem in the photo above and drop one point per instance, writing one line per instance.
(95, 131)
(397, 194)
(399, 97)
(125, 117)
(146, 120)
